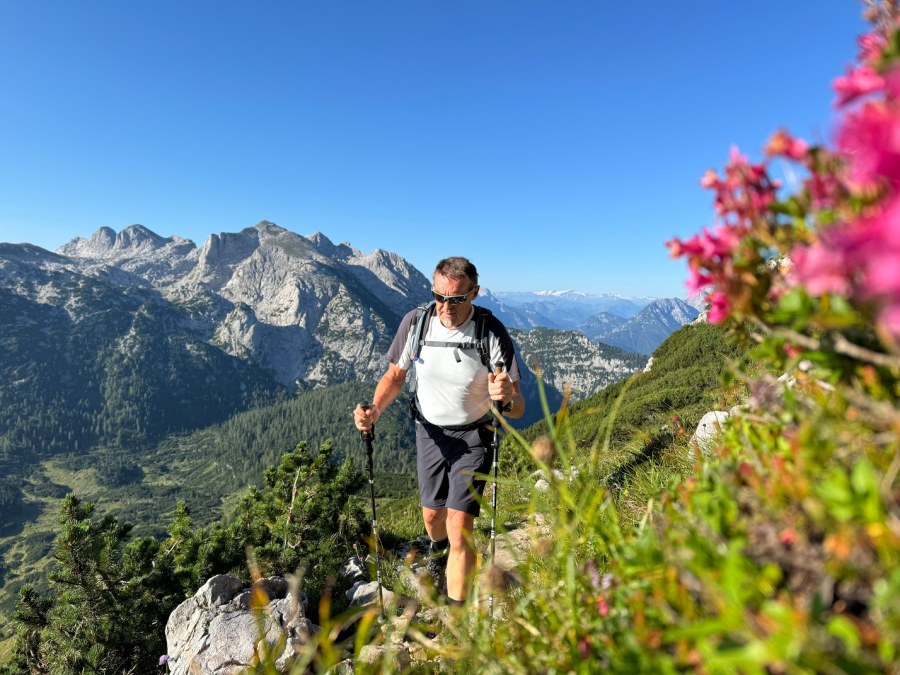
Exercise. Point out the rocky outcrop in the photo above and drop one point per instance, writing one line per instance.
(216, 632)
(569, 359)
(704, 438)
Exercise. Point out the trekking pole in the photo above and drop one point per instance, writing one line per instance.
(367, 437)
(495, 446)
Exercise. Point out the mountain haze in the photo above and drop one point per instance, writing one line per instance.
(635, 324)
(645, 331)
(568, 309)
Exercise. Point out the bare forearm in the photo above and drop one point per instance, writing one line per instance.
(388, 388)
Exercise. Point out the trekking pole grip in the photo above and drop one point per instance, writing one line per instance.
(370, 434)
(499, 368)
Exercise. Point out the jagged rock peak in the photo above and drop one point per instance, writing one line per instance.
(326, 247)
(249, 237)
(221, 254)
(98, 246)
(105, 243)
(104, 237)
(266, 228)
(231, 245)
(137, 235)
(271, 237)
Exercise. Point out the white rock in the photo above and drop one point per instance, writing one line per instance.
(707, 430)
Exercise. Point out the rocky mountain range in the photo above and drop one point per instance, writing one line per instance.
(254, 313)
(308, 311)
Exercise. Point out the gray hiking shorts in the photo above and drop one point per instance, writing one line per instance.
(447, 462)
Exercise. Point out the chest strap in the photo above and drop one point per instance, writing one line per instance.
(456, 346)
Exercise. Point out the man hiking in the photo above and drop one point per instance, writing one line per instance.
(450, 347)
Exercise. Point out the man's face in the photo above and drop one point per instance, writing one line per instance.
(453, 315)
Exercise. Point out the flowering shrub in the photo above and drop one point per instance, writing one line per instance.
(826, 256)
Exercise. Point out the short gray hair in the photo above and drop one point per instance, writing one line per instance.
(457, 267)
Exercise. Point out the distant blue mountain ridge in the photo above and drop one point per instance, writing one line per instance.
(637, 324)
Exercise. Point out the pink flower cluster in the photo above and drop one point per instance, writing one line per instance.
(710, 260)
(850, 201)
(744, 196)
(859, 257)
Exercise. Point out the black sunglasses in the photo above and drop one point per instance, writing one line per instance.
(452, 299)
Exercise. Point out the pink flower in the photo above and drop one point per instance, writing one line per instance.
(690, 247)
(737, 159)
(710, 179)
(870, 138)
(719, 243)
(584, 648)
(822, 189)
(857, 82)
(720, 307)
(892, 82)
(785, 145)
(697, 281)
(821, 269)
(726, 240)
(791, 351)
(874, 247)
(788, 536)
(883, 277)
(870, 47)
(889, 319)
(602, 606)
(859, 260)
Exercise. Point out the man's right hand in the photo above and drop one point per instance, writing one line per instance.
(365, 416)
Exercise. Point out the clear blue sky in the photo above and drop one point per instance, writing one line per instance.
(557, 144)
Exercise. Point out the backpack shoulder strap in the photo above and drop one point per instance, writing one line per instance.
(425, 313)
(482, 342)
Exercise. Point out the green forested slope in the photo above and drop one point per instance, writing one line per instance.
(227, 457)
(205, 469)
(648, 414)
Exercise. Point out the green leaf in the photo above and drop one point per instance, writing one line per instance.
(842, 628)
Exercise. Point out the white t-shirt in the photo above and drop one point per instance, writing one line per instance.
(451, 384)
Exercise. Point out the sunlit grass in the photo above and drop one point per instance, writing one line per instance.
(6, 648)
